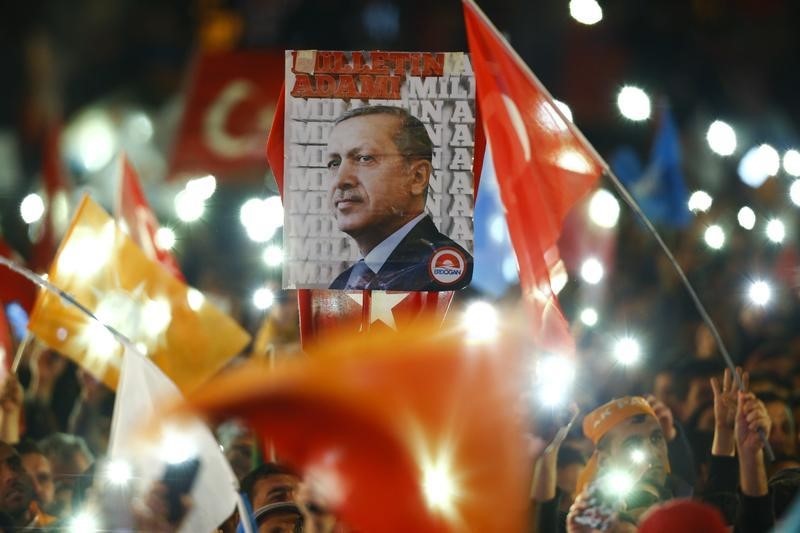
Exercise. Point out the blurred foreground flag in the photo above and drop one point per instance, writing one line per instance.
(132, 209)
(543, 167)
(386, 430)
(142, 392)
(660, 188)
(106, 272)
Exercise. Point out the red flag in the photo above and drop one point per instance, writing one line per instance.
(386, 431)
(229, 108)
(321, 310)
(56, 215)
(543, 165)
(15, 287)
(132, 209)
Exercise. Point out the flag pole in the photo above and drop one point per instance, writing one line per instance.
(21, 349)
(631, 202)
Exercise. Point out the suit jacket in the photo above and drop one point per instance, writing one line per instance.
(423, 261)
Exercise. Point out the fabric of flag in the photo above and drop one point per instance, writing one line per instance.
(101, 267)
(141, 224)
(387, 430)
(57, 188)
(495, 266)
(6, 344)
(321, 310)
(15, 287)
(660, 189)
(543, 165)
(142, 392)
(229, 104)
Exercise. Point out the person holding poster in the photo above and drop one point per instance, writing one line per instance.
(379, 159)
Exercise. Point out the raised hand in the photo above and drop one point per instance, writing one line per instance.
(751, 419)
(664, 416)
(725, 402)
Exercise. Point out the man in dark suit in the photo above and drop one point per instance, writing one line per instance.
(379, 158)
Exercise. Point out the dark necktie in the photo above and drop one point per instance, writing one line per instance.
(361, 277)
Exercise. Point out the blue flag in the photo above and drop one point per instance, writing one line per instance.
(660, 188)
(495, 265)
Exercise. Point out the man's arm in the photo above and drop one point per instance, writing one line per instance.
(755, 511)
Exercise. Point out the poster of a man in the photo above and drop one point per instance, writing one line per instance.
(379, 158)
(379, 185)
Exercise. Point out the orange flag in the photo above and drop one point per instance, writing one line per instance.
(107, 273)
(543, 165)
(412, 431)
(133, 209)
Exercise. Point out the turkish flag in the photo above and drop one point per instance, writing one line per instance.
(543, 165)
(229, 108)
(56, 199)
(393, 431)
(358, 311)
(133, 210)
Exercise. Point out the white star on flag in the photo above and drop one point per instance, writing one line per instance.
(381, 305)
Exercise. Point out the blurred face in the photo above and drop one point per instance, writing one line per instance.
(374, 190)
(273, 489)
(781, 438)
(637, 445)
(16, 490)
(284, 522)
(38, 468)
(240, 455)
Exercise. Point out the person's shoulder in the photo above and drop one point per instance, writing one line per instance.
(341, 280)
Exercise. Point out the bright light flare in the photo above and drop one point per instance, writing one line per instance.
(263, 298)
(700, 201)
(202, 188)
(31, 208)
(87, 252)
(481, 322)
(564, 108)
(760, 293)
(554, 378)
(272, 256)
(714, 237)
(633, 103)
(176, 446)
(618, 483)
(758, 164)
(93, 139)
(439, 487)
(586, 12)
(638, 456)
(589, 317)
(604, 209)
(165, 238)
(84, 522)
(261, 218)
(118, 472)
(189, 207)
(627, 351)
(791, 163)
(776, 231)
(592, 271)
(195, 299)
(721, 138)
(746, 218)
(794, 192)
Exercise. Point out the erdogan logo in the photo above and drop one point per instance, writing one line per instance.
(447, 266)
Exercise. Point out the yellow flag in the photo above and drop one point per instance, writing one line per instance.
(187, 337)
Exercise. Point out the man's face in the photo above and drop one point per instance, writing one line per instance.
(38, 468)
(638, 447)
(16, 490)
(781, 437)
(374, 187)
(273, 489)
